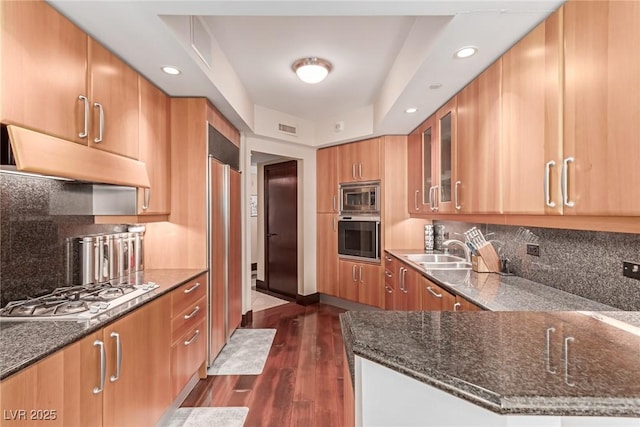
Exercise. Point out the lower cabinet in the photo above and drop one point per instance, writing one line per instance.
(327, 253)
(116, 376)
(434, 298)
(391, 290)
(361, 282)
(409, 288)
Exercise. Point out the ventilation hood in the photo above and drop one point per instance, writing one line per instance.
(27, 151)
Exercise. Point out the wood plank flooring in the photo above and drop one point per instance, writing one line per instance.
(301, 384)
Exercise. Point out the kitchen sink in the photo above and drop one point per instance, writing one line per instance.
(461, 265)
(434, 258)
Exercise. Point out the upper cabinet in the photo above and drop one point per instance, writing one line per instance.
(154, 149)
(446, 124)
(327, 180)
(419, 144)
(113, 95)
(359, 161)
(601, 156)
(531, 109)
(44, 68)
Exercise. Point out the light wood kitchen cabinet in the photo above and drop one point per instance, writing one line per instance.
(434, 298)
(446, 171)
(154, 149)
(188, 354)
(44, 67)
(531, 120)
(602, 108)
(409, 281)
(361, 282)
(113, 94)
(327, 180)
(57, 391)
(138, 386)
(462, 304)
(359, 161)
(234, 316)
(415, 187)
(391, 297)
(478, 187)
(327, 253)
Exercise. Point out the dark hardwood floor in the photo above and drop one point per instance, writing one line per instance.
(301, 384)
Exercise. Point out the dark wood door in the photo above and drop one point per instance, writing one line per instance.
(281, 230)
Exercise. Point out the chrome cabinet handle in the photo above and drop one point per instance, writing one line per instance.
(388, 289)
(353, 273)
(147, 198)
(193, 338)
(431, 197)
(361, 275)
(193, 288)
(404, 287)
(360, 170)
(547, 179)
(116, 377)
(455, 195)
(103, 366)
(415, 200)
(388, 273)
(353, 170)
(193, 313)
(334, 203)
(436, 197)
(567, 340)
(565, 183)
(335, 224)
(85, 132)
(456, 306)
(434, 293)
(388, 258)
(97, 105)
(548, 351)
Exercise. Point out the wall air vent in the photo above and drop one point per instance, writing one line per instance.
(201, 40)
(289, 130)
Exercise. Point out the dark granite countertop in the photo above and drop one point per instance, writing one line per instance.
(496, 292)
(498, 360)
(25, 343)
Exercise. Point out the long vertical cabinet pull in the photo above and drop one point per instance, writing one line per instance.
(147, 198)
(436, 197)
(103, 366)
(353, 170)
(335, 209)
(85, 131)
(548, 351)
(116, 377)
(353, 273)
(431, 198)
(547, 179)
(456, 197)
(335, 224)
(403, 272)
(100, 136)
(415, 200)
(360, 170)
(567, 340)
(361, 281)
(565, 182)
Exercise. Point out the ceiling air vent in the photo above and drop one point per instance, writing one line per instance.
(289, 130)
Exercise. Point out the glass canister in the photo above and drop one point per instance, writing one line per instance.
(429, 237)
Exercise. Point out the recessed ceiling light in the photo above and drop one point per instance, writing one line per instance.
(435, 86)
(312, 70)
(411, 110)
(169, 69)
(466, 52)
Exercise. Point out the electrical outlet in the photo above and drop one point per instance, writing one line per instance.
(533, 250)
(630, 269)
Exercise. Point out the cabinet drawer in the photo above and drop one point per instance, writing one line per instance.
(186, 320)
(187, 295)
(187, 355)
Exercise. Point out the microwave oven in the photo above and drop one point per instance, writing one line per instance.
(362, 198)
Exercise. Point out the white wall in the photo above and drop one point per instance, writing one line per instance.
(306, 157)
(253, 220)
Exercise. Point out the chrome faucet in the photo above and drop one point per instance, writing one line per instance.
(467, 251)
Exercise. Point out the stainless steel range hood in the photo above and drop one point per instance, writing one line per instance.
(32, 152)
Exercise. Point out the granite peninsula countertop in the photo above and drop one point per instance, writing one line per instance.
(25, 343)
(496, 292)
(499, 360)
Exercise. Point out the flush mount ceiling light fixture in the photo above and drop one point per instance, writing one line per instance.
(170, 69)
(465, 52)
(311, 70)
(411, 110)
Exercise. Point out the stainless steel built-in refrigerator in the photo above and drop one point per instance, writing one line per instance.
(224, 242)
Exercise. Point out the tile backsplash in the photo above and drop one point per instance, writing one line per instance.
(32, 244)
(584, 263)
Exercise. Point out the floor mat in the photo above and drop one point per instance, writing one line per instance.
(209, 417)
(245, 354)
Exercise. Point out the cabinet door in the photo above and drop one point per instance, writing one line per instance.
(234, 292)
(370, 287)
(113, 85)
(415, 195)
(391, 295)
(411, 298)
(531, 76)
(57, 391)
(446, 171)
(359, 161)
(348, 280)
(327, 180)
(327, 254)
(141, 392)
(154, 149)
(478, 187)
(462, 304)
(602, 107)
(187, 355)
(434, 298)
(44, 70)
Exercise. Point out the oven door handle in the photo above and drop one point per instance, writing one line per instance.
(377, 240)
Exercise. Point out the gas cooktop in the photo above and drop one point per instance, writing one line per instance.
(75, 302)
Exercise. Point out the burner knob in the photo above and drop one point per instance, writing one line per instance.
(151, 283)
(94, 308)
(103, 305)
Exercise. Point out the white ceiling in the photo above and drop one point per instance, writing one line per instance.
(385, 53)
